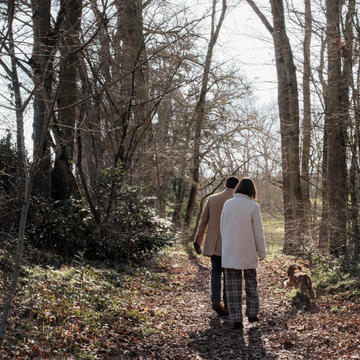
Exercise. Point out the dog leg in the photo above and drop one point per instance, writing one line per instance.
(303, 288)
(312, 294)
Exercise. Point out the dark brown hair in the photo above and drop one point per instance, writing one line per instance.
(231, 182)
(247, 187)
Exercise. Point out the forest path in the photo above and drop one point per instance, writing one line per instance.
(190, 329)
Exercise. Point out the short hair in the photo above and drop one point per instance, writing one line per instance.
(247, 187)
(231, 182)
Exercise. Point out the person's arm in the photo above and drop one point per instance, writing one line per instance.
(259, 233)
(203, 225)
(222, 226)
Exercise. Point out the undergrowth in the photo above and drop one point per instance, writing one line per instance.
(60, 311)
(82, 309)
(331, 278)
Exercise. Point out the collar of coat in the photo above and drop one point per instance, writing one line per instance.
(243, 195)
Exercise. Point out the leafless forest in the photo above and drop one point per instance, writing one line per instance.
(136, 120)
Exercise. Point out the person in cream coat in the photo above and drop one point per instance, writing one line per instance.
(243, 244)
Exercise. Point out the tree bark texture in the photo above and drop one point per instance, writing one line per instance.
(337, 134)
(306, 128)
(131, 57)
(288, 101)
(68, 25)
(42, 68)
(347, 103)
(324, 228)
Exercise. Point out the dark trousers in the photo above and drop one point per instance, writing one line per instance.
(216, 272)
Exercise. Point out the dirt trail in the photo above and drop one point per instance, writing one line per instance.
(196, 332)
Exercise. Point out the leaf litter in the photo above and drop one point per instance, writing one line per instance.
(163, 311)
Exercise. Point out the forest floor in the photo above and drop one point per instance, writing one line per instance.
(163, 311)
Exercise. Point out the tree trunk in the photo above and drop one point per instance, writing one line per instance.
(288, 101)
(68, 23)
(179, 186)
(305, 176)
(180, 181)
(91, 140)
(354, 205)
(347, 88)
(199, 112)
(354, 239)
(337, 135)
(131, 56)
(83, 180)
(42, 68)
(324, 226)
(162, 162)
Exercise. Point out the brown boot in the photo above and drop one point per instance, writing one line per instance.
(218, 308)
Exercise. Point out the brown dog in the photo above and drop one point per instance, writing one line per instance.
(299, 280)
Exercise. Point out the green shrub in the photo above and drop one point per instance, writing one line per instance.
(59, 227)
(129, 230)
(8, 164)
(10, 186)
(342, 266)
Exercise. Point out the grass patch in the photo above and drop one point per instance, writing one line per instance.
(349, 288)
(274, 232)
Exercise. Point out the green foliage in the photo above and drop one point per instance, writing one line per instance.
(7, 166)
(337, 276)
(9, 187)
(59, 227)
(341, 267)
(78, 310)
(130, 229)
(349, 288)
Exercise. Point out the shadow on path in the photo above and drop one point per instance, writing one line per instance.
(222, 341)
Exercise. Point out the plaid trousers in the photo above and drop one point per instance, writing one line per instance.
(233, 287)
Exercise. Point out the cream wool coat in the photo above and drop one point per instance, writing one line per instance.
(242, 233)
(210, 219)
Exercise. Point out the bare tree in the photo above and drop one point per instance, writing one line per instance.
(336, 113)
(198, 115)
(306, 126)
(42, 65)
(68, 26)
(288, 101)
